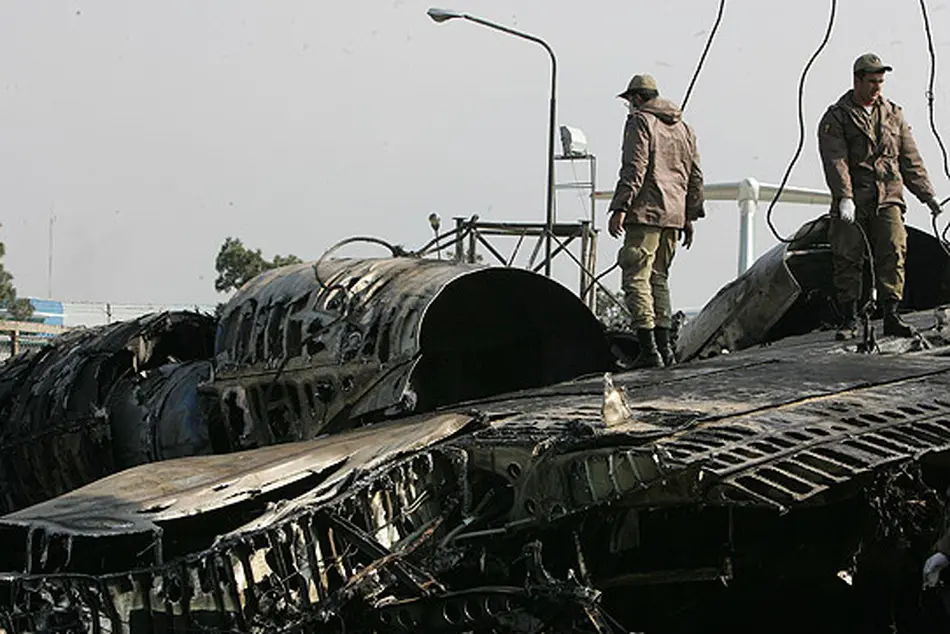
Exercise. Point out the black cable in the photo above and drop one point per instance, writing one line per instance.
(941, 237)
(867, 248)
(801, 126)
(798, 150)
(702, 58)
(930, 89)
(397, 251)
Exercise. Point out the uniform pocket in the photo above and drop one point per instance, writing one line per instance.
(633, 256)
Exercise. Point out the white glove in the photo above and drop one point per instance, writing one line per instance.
(846, 210)
(933, 567)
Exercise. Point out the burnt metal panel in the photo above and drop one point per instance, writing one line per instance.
(56, 425)
(160, 415)
(800, 452)
(141, 499)
(743, 311)
(789, 291)
(365, 500)
(436, 522)
(298, 355)
(373, 523)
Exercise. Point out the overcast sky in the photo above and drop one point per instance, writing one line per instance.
(154, 130)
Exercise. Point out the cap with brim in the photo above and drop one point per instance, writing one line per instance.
(639, 82)
(870, 63)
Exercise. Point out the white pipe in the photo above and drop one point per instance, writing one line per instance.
(748, 205)
(729, 191)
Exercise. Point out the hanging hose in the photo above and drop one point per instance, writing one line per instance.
(702, 58)
(801, 128)
(941, 237)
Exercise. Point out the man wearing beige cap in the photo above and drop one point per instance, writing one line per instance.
(869, 155)
(658, 195)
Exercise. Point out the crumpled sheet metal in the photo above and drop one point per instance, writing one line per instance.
(369, 493)
(530, 464)
(790, 291)
(159, 414)
(820, 449)
(141, 499)
(56, 428)
(295, 358)
(743, 311)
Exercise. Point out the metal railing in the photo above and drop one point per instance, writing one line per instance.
(22, 334)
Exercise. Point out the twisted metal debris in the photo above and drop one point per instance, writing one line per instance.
(519, 488)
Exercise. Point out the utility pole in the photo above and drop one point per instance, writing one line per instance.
(49, 263)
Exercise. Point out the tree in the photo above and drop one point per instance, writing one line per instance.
(236, 264)
(16, 308)
(609, 312)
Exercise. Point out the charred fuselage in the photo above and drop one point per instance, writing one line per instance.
(407, 445)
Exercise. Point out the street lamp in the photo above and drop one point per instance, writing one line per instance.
(435, 221)
(441, 15)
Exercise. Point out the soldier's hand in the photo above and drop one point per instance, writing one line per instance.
(934, 205)
(846, 210)
(687, 234)
(615, 224)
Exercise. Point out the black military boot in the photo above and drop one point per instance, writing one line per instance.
(649, 356)
(848, 329)
(893, 324)
(664, 346)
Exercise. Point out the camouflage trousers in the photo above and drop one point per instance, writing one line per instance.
(888, 239)
(644, 261)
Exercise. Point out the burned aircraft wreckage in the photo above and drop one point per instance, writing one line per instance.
(401, 445)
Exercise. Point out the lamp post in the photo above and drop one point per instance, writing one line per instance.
(435, 221)
(441, 15)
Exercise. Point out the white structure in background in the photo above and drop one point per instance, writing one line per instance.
(99, 313)
(748, 192)
(573, 142)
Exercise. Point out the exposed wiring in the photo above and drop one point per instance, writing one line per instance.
(801, 126)
(702, 58)
(941, 237)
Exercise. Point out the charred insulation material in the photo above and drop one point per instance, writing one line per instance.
(298, 355)
(64, 407)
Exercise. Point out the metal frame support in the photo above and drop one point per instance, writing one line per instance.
(748, 205)
(469, 235)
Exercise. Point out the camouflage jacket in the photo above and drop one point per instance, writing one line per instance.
(869, 157)
(661, 181)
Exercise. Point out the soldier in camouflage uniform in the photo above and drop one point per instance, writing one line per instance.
(869, 155)
(658, 196)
